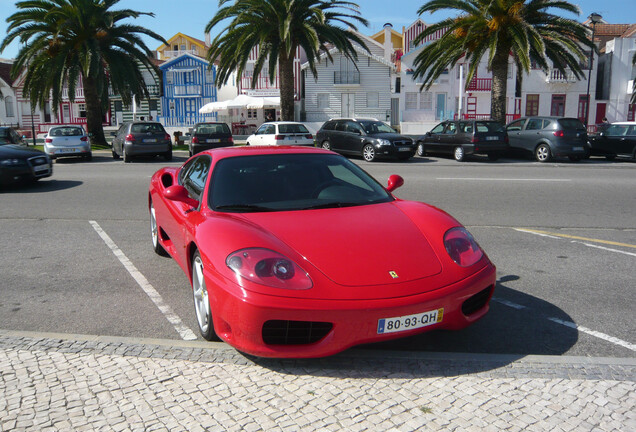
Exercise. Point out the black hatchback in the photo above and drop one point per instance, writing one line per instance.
(617, 139)
(465, 137)
(209, 135)
(369, 138)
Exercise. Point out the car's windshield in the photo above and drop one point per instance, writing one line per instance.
(212, 128)
(285, 182)
(374, 127)
(290, 128)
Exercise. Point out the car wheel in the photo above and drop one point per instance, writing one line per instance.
(542, 153)
(115, 155)
(459, 154)
(125, 155)
(326, 145)
(154, 232)
(421, 151)
(168, 155)
(368, 153)
(202, 300)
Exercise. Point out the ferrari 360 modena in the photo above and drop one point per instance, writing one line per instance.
(298, 252)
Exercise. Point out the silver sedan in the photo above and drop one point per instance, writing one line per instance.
(67, 141)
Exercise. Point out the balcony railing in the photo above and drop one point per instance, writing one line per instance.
(556, 76)
(177, 53)
(79, 93)
(262, 82)
(346, 77)
(480, 84)
(187, 90)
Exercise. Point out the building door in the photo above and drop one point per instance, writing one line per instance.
(395, 111)
(582, 109)
(557, 108)
(347, 104)
(440, 106)
(601, 109)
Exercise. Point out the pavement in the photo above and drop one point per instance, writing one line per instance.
(62, 382)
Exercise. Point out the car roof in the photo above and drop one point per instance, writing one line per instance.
(354, 119)
(283, 122)
(228, 152)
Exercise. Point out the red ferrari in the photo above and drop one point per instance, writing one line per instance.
(297, 252)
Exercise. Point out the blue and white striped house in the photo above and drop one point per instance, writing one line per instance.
(188, 84)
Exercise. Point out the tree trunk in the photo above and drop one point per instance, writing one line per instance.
(93, 112)
(286, 75)
(499, 83)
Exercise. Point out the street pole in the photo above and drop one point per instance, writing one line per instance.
(594, 18)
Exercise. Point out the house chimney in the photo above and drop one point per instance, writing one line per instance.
(388, 45)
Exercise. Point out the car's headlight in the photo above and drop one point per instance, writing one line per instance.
(266, 267)
(11, 162)
(384, 142)
(462, 247)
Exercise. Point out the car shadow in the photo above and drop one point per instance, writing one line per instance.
(41, 186)
(516, 326)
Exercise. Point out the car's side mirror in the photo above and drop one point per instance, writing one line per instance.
(180, 194)
(395, 181)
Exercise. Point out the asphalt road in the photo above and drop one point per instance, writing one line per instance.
(76, 254)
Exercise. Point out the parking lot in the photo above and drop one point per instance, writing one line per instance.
(77, 256)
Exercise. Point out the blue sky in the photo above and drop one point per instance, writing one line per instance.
(191, 16)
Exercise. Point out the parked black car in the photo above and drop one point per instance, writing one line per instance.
(617, 139)
(369, 138)
(548, 137)
(141, 138)
(209, 135)
(465, 137)
(9, 135)
(19, 163)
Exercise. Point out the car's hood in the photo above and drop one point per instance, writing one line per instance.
(355, 246)
(390, 136)
(15, 150)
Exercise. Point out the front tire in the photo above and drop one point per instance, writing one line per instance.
(421, 152)
(154, 233)
(202, 300)
(326, 145)
(459, 154)
(542, 153)
(368, 153)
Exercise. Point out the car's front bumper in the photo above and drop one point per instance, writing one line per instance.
(240, 315)
(24, 172)
(395, 151)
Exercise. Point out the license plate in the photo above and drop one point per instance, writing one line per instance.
(150, 140)
(492, 138)
(41, 168)
(577, 148)
(213, 140)
(410, 322)
(71, 150)
(404, 149)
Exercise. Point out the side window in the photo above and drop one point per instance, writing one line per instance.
(438, 129)
(534, 124)
(451, 129)
(122, 131)
(195, 176)
(261, 130)
(515, 125)
(341, 126)
(354, 128)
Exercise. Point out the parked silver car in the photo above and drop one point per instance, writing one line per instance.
(141, 138)
(67, 141)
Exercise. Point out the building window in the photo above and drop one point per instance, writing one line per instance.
(209, 75)
(557, 109)
(8, 106)
(252, 114)
(81, 110)
(26, 108)
(323, 100)
(373, 100)
(410, 100)
(532, 105)
(169, 78)
(582, 108)
(426, 101)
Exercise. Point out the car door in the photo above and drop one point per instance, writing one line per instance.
(432, 142)
(264, 135)
(338, 136)
(532, 133)
(353, 137)
(617, 139)
(193, 177)
(448, 139)
(514, 131)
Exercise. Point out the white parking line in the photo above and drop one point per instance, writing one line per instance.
(503, 179)
(173, 318)
(570, 324)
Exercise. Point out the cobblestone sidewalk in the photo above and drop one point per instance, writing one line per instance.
(83, 383)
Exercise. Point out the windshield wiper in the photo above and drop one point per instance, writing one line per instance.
(243, 208)
(332, 204)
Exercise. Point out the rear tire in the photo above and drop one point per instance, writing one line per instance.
(542, 153)
(201, 300)
(125, 155)
(459, 154)
(326, 145)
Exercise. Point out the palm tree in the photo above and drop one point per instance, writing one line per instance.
(498, 29)
(65, 40)
(277, 28)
